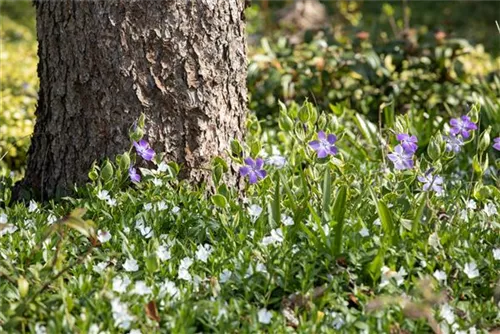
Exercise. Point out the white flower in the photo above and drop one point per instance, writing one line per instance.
(103, 195)
(130, 265)
(33, 206)
(276, 237)
(439, 275)
(490, 209)
(225, 275)
(51, 219)
(184, 274)
(176, 210)
(287, 220)
(387, 274)
(260, 268)
(94, 329)
(446, 312)
(8, 229)
(141, 288)
(434, 241)
(496, 253)
(120, 285)
(464, 215)
(126, 230)
(135, 331)
(377, 222)
(111, 202)
(157, 182)
(254, 211)
(162, 167)
(186, 262)
(470, 269)
(148, 206)
(146, 231)
(169, 288)
(40, 329)
(277, 161)
(3, 218)
(364, 232)
(338, 320)
(203, 252)
(103, 236)
(99, 268)
(183, 269)
(264, 316)
(471, 205)
(163, 253)
(120, 314)
(160, 206)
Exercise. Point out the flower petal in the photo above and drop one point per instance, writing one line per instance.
(332, 139)
(315, 145)
(259, 163)
(250, 162)
(244, 170)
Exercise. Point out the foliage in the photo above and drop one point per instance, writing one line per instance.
(341, 243)
(18, 88)
(439, 79)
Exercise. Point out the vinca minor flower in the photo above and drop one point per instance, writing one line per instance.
(453, 143)
(496, 144)
(408, 142)
(462, 126)
(134, 176)
(143, 149)
(432, 182)
(401, 158)
(325, 144)
(253, 169)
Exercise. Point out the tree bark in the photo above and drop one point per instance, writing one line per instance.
(102, 63)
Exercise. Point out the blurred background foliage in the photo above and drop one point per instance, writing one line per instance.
(424, 58)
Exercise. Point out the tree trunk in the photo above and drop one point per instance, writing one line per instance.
(102, 63)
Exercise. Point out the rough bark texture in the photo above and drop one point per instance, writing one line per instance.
(102, 63)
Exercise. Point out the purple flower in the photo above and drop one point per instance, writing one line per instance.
(408, 142)
(453, 143)
(325, 145)
(134, 176)
(432, 182)
(253, 169)
(462, 126)
(143, 149)
(401, 158)
(496, 144)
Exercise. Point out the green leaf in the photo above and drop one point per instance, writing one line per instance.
(275, 206)
(339, 209)
(219, 200)
(327, 191)
(385, 218)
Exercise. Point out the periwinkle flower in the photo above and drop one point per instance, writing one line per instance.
(462, 126)
(496, 144)
(401, 158)
(408, 142)
(277, 161)
(431, 182)
(454, 143)
(134, 176)
(325, 144)
(143, 149)
(253, 169)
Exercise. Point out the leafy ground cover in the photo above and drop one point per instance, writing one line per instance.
(342, 227)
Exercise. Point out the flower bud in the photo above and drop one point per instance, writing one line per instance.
(107, 171)
(435, 148)
(484, 140)
(22, 286)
